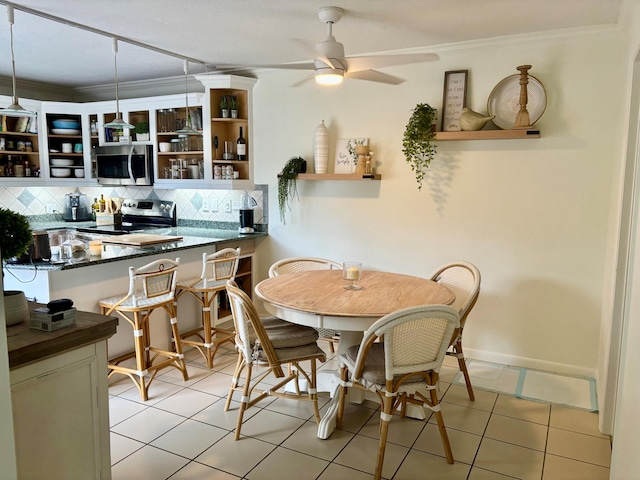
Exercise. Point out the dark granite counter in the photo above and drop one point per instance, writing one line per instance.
(192, 237)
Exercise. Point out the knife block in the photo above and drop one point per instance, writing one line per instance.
(114, 219)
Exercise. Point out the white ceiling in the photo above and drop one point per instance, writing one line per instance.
(250, 32)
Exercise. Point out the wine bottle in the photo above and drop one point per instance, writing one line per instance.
(241, 147)
(103, 203)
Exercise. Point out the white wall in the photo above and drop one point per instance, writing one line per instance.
(531, 214)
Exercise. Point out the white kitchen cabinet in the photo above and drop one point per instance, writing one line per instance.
(61, 415)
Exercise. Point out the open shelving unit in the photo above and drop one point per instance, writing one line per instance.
(488, 135)
(338, 176)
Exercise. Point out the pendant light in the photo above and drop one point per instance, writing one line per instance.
(14, 110)
(118, 123)
(187, 130)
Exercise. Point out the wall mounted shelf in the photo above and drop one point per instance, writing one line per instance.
(488, 135)
(337, 176)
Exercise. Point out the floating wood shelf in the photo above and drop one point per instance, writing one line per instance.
(488, 135)
(337, 176)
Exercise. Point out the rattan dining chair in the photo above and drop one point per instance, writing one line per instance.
(400, 355)
(217, 268)
(151, 287)
(270, 343)
(303, 264)
(463, 278)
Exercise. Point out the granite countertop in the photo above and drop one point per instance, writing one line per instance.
(27, 345)
(192, 237)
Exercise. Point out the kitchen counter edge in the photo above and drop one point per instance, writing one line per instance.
(192, 237)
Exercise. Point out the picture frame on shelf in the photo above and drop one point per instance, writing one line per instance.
(454, 99)
(346, 158)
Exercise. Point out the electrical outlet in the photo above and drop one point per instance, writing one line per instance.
(227, 206)
(213, 204)
(50, 208)
(205, 205)
(236, 205)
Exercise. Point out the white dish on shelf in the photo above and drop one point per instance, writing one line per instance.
(65, 131)
(504, 101)
(79, 172)
(61, 162)
(60, 172)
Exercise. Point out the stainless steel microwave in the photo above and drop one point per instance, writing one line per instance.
(124, 165)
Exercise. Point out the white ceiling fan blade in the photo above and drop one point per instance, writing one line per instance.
(304, 80)
(375, 76)
(281, 66)
(359, 63)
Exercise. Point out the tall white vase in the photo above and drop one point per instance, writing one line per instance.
(321, 149)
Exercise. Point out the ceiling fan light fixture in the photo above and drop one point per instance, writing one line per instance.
(329, 76)
(15, 109)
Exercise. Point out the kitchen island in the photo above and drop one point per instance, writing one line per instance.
(60, 398)
(85, 279)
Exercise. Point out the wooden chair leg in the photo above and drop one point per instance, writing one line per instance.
(443, 431)
(313, 394)
(462, 364)
(387, 406)
(234, 381)
(245, 401)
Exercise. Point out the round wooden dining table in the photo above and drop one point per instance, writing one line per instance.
(317, 298)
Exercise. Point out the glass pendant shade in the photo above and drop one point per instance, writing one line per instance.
(188, 129)
(117, 123)
(14, 110)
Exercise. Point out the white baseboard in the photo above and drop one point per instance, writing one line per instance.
(531, 363)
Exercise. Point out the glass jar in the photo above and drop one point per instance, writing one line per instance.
(184, 143)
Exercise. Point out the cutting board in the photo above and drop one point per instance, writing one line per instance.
(140, 239)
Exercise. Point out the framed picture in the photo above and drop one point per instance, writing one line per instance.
(454, 99)
(346, 158)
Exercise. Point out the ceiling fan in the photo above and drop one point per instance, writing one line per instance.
(331, 65)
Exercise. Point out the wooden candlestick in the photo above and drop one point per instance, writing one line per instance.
(522, 117)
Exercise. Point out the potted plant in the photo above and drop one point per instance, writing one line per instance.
(234, 105)
(15, 238)
(224, 106)
(142, 131)
(417, 142)
(287, 183)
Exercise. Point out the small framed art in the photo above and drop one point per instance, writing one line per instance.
(454, 99)
(346, 158)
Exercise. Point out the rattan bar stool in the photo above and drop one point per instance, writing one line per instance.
(151, 287)
(217, 268)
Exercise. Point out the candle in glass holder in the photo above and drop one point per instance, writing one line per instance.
(352, 271)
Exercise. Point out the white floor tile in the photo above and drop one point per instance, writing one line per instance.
(148, 463)
(148, 425)
(189, 439)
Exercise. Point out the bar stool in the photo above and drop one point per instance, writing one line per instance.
(151, 287)
(217, 268)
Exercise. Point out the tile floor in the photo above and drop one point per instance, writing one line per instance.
(182, 432)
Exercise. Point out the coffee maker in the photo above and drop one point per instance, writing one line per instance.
(247, 202)
(76, 208)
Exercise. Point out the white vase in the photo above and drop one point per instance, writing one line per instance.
(321, 148)
(16, 308)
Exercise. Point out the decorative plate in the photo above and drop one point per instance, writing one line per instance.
(504, 101)
(65, 131)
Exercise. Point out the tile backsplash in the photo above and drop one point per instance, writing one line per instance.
(189, 203)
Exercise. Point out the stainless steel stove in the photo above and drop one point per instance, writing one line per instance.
(139, 215)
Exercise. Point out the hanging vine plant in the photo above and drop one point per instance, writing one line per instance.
(417, 142)
(287, 187)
